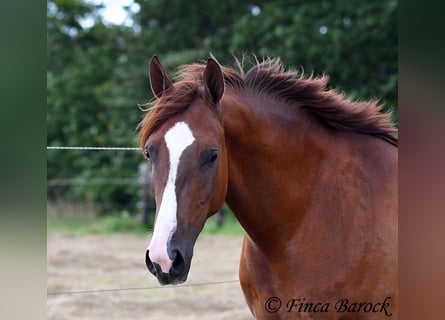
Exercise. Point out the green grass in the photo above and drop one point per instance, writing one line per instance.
(230, 226)
(73, 223)
(102, 225)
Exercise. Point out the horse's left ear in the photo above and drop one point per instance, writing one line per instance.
(214, 81)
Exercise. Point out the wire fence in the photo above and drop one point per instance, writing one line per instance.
(141, 288)
(76, 182)
(95, 181)
(93, 148)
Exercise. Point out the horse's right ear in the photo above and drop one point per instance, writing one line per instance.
(159, 80)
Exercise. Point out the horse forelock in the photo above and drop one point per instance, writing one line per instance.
(173, 101)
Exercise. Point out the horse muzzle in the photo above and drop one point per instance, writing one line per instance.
(178, 271)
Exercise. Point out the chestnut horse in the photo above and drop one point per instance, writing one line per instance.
(310, 175)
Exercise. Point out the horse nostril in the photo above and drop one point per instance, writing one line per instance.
(179, 266)
(150, 265)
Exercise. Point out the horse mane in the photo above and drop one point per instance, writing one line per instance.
(269, 78)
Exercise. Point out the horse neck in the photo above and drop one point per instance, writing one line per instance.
(274, 159)
(287, 172)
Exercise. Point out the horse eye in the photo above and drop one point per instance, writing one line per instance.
(213, 157)
(147, 154)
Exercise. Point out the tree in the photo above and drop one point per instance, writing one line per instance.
(97, 75)
(355, 42)
(91, 101)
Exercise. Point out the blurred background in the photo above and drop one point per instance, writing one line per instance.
(97, 74)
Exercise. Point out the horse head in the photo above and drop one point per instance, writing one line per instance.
(187, 149)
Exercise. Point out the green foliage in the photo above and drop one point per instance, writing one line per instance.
(115, 223)
(355, 42)
(230, 226)
(97, 76)
(93, 93)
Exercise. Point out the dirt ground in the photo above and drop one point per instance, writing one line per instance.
(76, 263)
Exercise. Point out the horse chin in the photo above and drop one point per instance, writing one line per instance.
(170, 279)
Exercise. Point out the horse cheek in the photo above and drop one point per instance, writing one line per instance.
(218, 194)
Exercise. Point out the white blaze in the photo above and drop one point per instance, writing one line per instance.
(177, 139)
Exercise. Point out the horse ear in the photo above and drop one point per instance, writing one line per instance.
(159, 80)
(214, 81)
